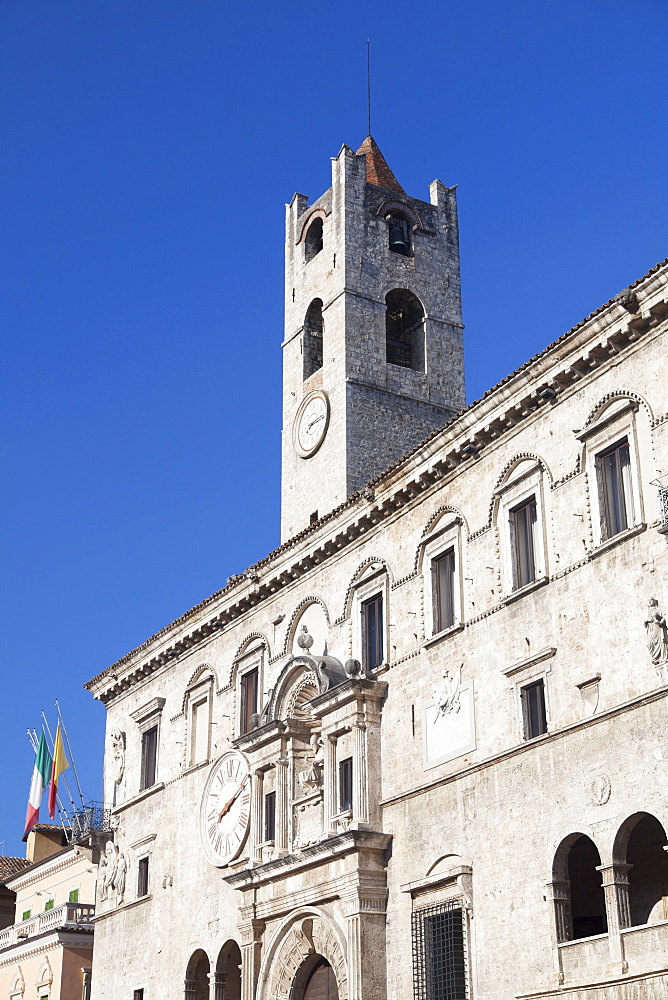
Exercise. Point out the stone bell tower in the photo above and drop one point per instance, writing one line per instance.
(373, 357)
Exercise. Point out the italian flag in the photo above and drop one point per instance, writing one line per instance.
(41, 776)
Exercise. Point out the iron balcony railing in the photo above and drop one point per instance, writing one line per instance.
(91, 818)
(76, 916)
(663, 505)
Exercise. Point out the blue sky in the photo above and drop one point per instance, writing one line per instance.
(147, 148)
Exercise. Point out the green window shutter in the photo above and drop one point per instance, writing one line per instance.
(48, 905)
(26, 915)
(74, 896)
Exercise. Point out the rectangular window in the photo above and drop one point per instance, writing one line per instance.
(73, 896)
(249, 683)
(138, 995)
(270, 816)
(49, 904)
(613, 474)
(533, 709)
(372, 632)
(523, 519)
(346, 784)
(26, 915)
(142, 877)
(149, 756)
(199, 731)
(439, 953)
(443, 587)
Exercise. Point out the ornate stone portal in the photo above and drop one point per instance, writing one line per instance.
(293, 954)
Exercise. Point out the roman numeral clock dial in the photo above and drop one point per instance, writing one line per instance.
(225, 809)
(310, 424)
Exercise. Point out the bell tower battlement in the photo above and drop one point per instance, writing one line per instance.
(372, 357)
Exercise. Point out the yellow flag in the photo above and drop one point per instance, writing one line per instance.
(59, 765)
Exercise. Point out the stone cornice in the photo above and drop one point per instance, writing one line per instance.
(63, 936)
(541, 382)
(43, 869)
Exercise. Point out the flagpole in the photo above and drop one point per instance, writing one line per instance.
(67, 787)
(67, 740)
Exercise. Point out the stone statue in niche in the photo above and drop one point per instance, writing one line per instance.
(657, 639)
(112, 873)
(311, 777)
(447, 694)
(117, 755)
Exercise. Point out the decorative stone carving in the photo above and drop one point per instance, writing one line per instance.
(18, 984)
(353, 668)
(447, 694)
(304, 640)
(600, 789)
(308, 936)
(311, 776)
(117, 755)
(45, 974)
(307, 821)
(657, 637)
(112, 874)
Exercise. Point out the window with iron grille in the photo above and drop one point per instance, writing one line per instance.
(613, 472)
(440, 952)
(443, 586)
(372, 631)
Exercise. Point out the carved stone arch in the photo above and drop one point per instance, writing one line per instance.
(317, 213)
(257, 637)
(505, 475)
(196, 677)
(301, 936)
(438, 515)
(357, 578)
(296, 684)
(45, 974)
(396, 205)
(617, 395)
(296, 616)
(18, 986)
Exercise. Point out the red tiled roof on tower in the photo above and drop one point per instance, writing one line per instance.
(377, 170)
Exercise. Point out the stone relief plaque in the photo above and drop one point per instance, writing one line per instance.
(451, 733)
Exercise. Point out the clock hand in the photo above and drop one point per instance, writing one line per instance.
(228, 805)
(316, 421)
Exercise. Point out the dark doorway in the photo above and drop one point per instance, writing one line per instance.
(648, 878)
(587, 896)
(322, 983)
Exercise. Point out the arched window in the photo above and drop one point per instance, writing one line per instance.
(582, 901)
(648, 875)
(313, 239)
(313, 330)
(228, 971)
(404, 329)
(399, 235)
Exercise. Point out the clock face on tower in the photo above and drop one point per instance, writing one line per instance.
(310, 424)
(225, 809)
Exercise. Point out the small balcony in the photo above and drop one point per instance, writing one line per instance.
(91, 818)
(74, 916)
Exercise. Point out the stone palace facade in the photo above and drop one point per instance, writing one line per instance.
(419, 751)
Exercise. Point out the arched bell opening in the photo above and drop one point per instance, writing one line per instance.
(399, 235)
(315, 980)
(404, 330)
(228, 972)
(196, 984)
(313, 241)
(313, 334)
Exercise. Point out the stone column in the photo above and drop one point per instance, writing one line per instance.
(86, 983)
(559, 900)
(217, 986)
(256, 831)
(329, 781)
(617, 908)
(360, 782)
(251, 956)
(281, 835)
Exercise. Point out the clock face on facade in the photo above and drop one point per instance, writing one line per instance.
(225, 809)
(310, 424)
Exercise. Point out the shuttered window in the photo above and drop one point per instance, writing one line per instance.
(523, 523)
(443, 586)
(613, 474)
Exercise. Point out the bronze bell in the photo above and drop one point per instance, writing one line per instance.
(399, 237)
